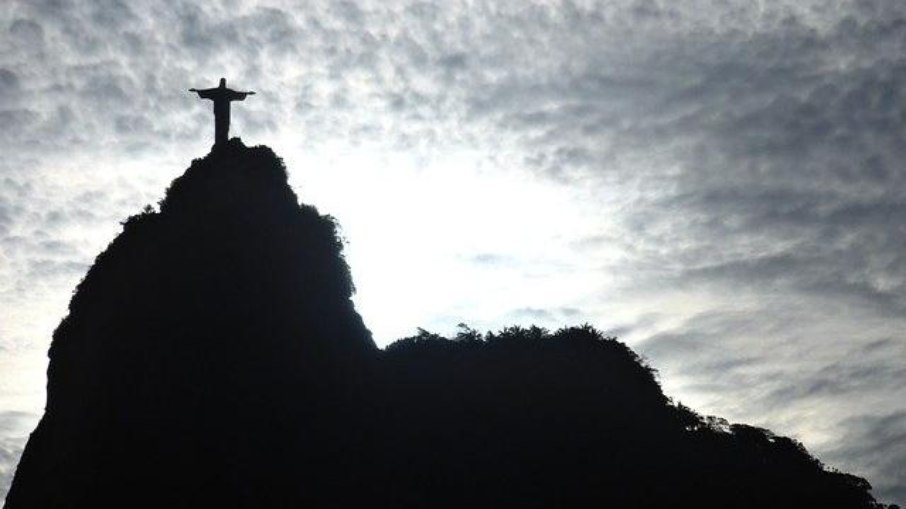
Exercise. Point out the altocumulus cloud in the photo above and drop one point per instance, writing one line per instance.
(739, 165)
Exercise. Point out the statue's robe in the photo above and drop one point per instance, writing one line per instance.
(222, 98)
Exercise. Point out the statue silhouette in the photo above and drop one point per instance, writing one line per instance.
(222, 96)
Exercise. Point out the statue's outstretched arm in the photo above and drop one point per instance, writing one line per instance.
(207, 93)
(240, 96)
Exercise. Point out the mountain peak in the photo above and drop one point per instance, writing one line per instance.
(212, 357)
(232, 177)
(216, 315)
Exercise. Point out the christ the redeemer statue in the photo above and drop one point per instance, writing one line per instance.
(222, 96)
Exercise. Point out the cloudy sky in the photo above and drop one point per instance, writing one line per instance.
(720, 183)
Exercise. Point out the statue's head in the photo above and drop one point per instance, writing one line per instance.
(222, 82)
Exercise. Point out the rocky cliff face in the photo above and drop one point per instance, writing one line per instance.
(212, 358)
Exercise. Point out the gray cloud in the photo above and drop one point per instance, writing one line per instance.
(877, 444)
(773, 366)
(545, 317)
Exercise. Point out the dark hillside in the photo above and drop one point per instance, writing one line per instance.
(529, 418)
(212, 357)
(204, 348)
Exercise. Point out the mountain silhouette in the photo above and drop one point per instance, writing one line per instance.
(212, 357)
